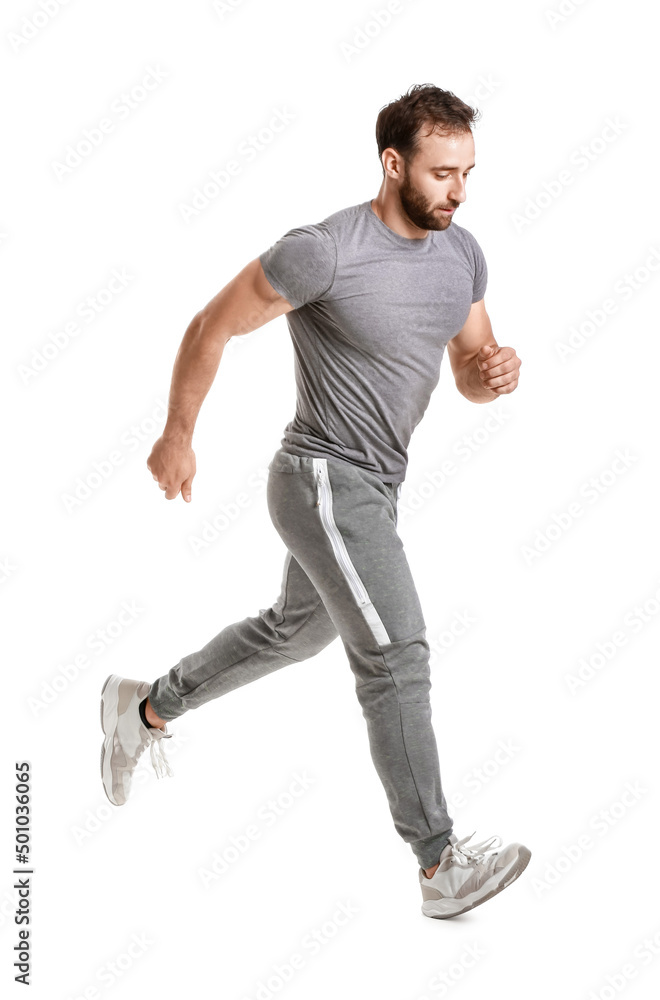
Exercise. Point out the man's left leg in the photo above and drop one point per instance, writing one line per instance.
(339, 521)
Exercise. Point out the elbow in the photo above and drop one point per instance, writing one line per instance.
(205, 328)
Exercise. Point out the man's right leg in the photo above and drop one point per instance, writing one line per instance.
(296, 627)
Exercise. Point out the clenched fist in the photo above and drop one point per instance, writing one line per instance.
(498, 368)
(172, 464)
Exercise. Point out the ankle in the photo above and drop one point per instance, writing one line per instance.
(154, 720)
(430, 872)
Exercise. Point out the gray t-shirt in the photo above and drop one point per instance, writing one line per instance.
(373, 311)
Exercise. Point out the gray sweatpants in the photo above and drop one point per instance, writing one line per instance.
(346, 574)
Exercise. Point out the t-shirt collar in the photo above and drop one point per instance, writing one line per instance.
(415, 245)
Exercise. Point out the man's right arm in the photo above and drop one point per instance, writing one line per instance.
(246, 303)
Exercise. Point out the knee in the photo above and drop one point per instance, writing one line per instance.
(407, 667)
(299, 636)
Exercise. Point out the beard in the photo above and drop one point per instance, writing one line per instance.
(419, 210)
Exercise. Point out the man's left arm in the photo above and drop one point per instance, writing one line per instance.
(482, 370)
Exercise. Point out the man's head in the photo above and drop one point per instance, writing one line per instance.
(426, 150)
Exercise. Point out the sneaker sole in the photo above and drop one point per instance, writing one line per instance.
(109, 702)
(474, 899)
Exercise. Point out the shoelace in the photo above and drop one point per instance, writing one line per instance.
(465, 856)
(158, 759)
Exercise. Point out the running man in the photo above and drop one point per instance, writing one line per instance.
(372, 296)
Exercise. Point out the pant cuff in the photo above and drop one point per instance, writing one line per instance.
(428, 851)
(164, 711)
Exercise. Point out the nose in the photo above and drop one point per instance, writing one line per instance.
(457, 190)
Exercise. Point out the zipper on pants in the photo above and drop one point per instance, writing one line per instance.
(338, 544)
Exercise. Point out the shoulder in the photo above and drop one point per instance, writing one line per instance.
(344, 216)
(468, 248)
(464, 240)
(342, 222)
(330, 229)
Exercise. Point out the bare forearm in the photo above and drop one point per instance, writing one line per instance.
(195, 368)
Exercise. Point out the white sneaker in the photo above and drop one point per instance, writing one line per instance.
(126, 736)
(468, 876)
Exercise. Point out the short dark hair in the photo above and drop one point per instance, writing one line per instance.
(399, 123)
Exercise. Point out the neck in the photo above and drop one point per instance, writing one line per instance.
(389, 211)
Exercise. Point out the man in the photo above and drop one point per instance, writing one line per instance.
(372, 295)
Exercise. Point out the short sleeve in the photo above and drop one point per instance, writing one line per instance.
(480, 273)
(301, 265)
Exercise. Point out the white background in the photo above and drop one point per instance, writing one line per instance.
(485, 542)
